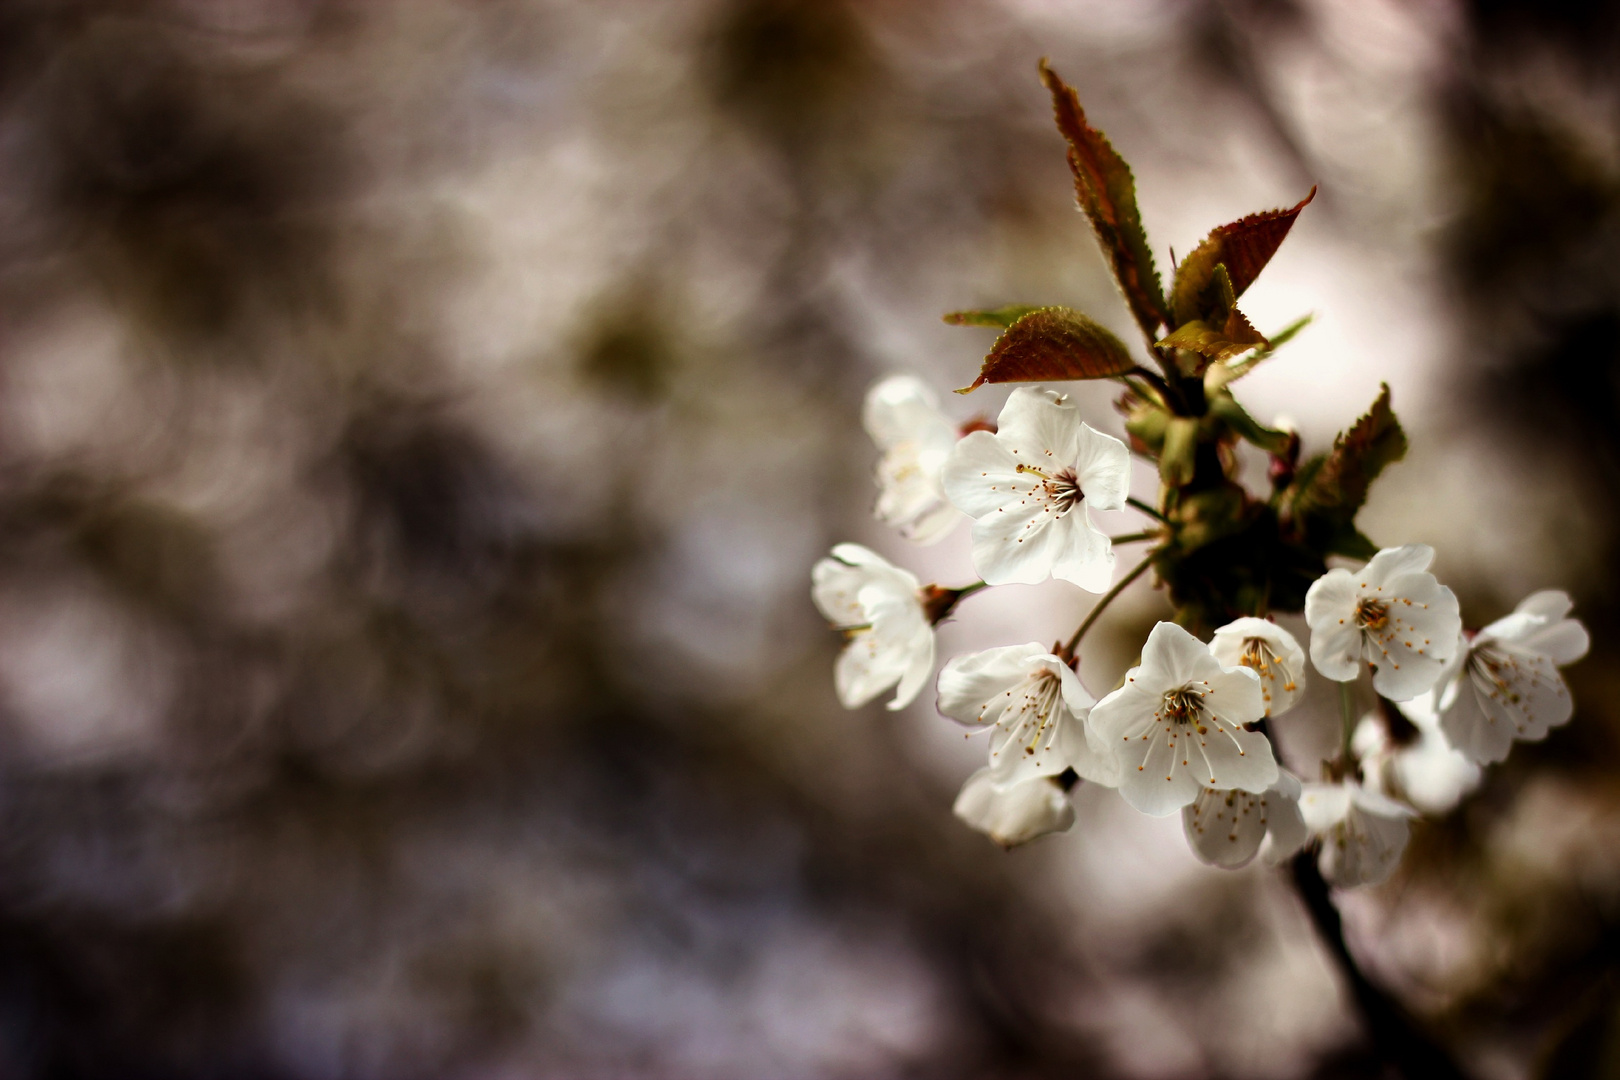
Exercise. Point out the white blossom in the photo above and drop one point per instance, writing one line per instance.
(1226, 828)
(1034, 707)
(1271, 653)
(902, 416)
(1016, 813)
(879, 607)
(1362, 832)
(1504, 683)
(1176, 726)
(1422, 769)
(1391, 613)
(1030, 488)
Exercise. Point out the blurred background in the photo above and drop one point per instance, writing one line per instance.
(417, 424)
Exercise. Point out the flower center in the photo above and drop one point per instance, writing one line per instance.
(1029, 720)
(1256, 655)
(1372, 614)
(1060, 490)
(1183, 705)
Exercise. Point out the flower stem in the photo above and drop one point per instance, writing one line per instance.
(969, 590)
(1160, 388)
(1395, 1036)
(1347, 721)
(1097, 609)
(1131, 538)
(1132, 501)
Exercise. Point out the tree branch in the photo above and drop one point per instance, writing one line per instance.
(1395, 1036)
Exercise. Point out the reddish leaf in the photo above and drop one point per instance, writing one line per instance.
(1050, 345)
(1244, 247)
(1107, 193)
(1330, 490)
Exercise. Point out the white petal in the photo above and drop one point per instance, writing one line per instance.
(1411, 650)
(1281, 664)
(866, 668)
(1364, 850)
(1124, 713)
(1174, 762)
(1362, 833)
(1520, 689)
(968, 683)
(1478, 737)
(902, 408)
(1514, 627)
(981, 475)
(1286, 831)
(1563, 642)
(1234, 695)
(1172, 657)
(1431, 775)
(1103, 466)
(1035, 733)
(1370, 746)
(1075, 694)
(911, 493)
(1330, 609)
(933, 524)
(1323, 805)
(1239, 759)
(1225, 828)
(1087, 556)
(838, 582)
(1039, 427)
(919, 651)
(1081, 754)
(1014, 815)
(1550, 604)
(1020, 543)
(1423, 712)
(1393, 562)
(835, 587)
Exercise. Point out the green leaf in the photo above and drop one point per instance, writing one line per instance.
(1106, 191)
(1243, 247)
(1217, 343)
(1001, 317)
(1178, 459)
(1225, 407)
(1050, 345)
(1146, 425)
(1217, 375)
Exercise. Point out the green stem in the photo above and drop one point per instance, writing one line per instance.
(1161, 389)
(969, 590)
(1131, 538)
(1138, 504)
(1347, 720)
(1107, 598)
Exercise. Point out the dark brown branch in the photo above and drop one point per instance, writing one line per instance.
(1395, 1036)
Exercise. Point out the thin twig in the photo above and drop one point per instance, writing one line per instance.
(1131, 538)
(1153, 379)
(1347, 721)
(1135, 503)
(1107, 598)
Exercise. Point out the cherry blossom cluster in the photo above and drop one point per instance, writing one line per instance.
(1191, 727)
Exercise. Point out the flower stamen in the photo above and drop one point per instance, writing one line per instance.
(1372, 614)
